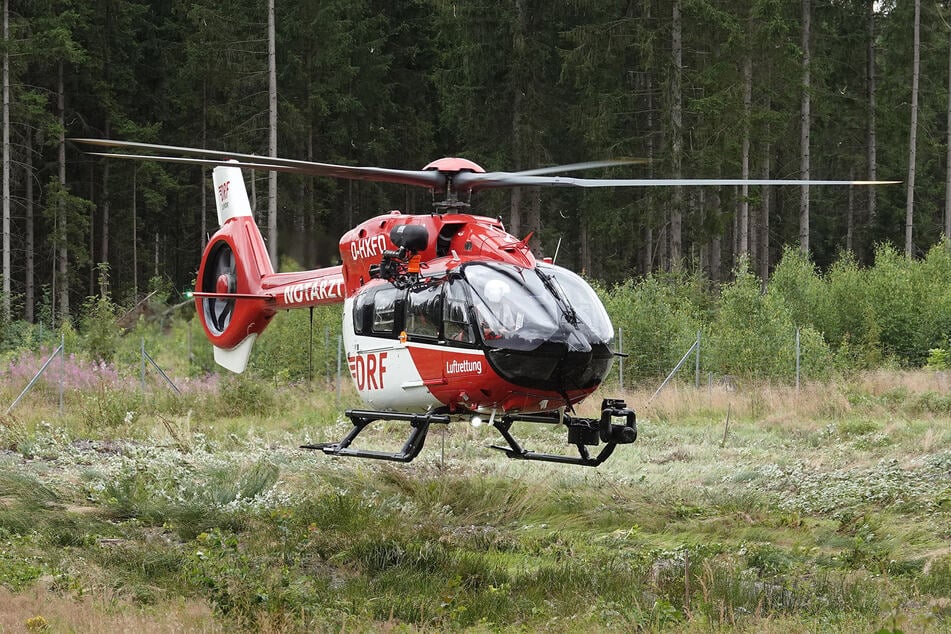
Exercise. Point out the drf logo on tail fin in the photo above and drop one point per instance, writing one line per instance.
(223, 191)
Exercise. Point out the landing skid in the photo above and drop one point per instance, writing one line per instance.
(582, 433)
(362, 418)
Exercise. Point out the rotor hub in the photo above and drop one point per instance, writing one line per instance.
(223, 283)
(452, 164)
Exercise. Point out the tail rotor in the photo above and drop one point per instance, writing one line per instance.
(220, 277)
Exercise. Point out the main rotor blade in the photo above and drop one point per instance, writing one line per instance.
(473, 182)
(573, 167)
(419, 178)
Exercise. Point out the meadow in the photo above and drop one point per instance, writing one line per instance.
(752, 507)
(746, 504)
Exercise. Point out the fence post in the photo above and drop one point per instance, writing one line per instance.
(339, 346)
(797, 358)
(620, 345)
(62, 368)
(697, 367)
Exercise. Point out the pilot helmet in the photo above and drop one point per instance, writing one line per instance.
(495, 290)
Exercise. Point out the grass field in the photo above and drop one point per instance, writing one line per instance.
(758, 509)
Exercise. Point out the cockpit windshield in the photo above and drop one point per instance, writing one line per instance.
(519, 309)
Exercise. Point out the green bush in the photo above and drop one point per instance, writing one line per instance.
(754, 335)
(849, 325)
(657, 323)
(797, 285)
(98, 326)
(940, 358)
(934, 321)
(895, 300)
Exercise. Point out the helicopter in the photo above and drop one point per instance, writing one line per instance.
(446, 316)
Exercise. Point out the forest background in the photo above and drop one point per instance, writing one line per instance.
(751, 504)
(702, 88)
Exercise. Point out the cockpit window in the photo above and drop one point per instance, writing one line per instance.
(521, 309)
(513, 307)
(384, 310)
(582, 299)
(423, 312)
(457, 326)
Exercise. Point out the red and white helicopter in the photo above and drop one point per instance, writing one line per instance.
(445, 315)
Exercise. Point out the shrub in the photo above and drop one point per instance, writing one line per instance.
(754, 334)
(657, 325)
(99, 331)
(796, 283)
(934, 321)
(895, 301)
(940, 358)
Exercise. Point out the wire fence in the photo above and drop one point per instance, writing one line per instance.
(694, 351)
(56, 373)
(146, 361)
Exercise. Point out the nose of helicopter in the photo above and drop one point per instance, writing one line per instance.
(557, 367)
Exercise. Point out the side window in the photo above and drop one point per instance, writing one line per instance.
(423, 312)
(384, 310)
(456, 325)
(362, 306)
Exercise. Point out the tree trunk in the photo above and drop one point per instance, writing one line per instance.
(205, 181)
(649, 230)
(535, 220)
(716, 255)
(804, 127)
(585, 251)
(676, 120)
(947, 180)
(30, 297)
(744, 220)
(135, 237)
(850, 215)
(872, 144)
(91, 289)
(913, 136)
(106, 203)
(6, 162)
(518, 149)
(272, 136)
(764, 214)
(63, 251)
